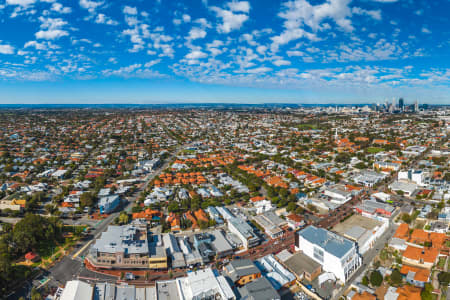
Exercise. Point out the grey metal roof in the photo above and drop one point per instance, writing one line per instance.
(355, 232)
(121, 239)
(371, 206)
(260, 289)
(243, 227)
(241, 267)
(125, 292)
(220, 243)
(300, 263)
(327, 240)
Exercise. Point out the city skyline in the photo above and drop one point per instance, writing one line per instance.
(302, 51)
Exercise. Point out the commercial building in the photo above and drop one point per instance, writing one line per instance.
(76, 289)
(384, 165)
(416, 176)
(126, 247)
(368, 178)
(406, 188)
(201, 284)
(362, 230)
(221, 245)
(371, 208)
(260, 289)
(303, 266)
(174, 251)
(338, 194)
(335, 253)
(242, 271)
(271, 224)
(79, 290)
(225, 213)
(108, 204)
(214, 215)
(275, 272)
(244, 231)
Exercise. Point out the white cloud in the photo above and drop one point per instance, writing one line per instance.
(248, 38)
(290, 35)
(123, 70)
(425, 30)
(53, 28)
(130, 10)
(51, 34)
(214, 46)
(196, 33)
(295, 53)
(259, 70)
(6, 49)
(300, 13)
(281, 62)
(230, 20)
(241, 6)
(203, 22)
(196, 54)
(133, 71)
(186, 18)
(152, 63)
(20, 2)
(91, 6)
(36, 45)
(375, 14)
(103, 19)
(261, 49)
(58, 7)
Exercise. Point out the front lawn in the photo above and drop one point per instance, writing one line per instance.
(374, 150)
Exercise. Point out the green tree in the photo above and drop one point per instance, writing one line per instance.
(365, 280)
(291, 206)
(202, 224)
(124, 218)
(342, 157)
(173, 207)
(34, 231)
(406, 218)
(426, 292)
(444, 278)
(360, 165)
(376, 279)
(87, 199)
(396, 277)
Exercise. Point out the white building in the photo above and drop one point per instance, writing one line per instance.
(407, 188)
(335, 253)
(201, 284)
(263, 206)
(338, 195)
(416, 176)
(244, 231)
(76, 289)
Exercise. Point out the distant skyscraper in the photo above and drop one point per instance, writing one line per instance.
(401, 104)
(416, 106)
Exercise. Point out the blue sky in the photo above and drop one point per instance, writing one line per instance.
(150, 51)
